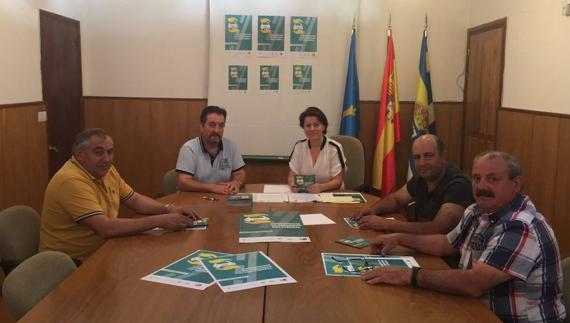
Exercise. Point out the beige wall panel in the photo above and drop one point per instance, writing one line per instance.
(544, 152)
(37, 150)
(561, 221)
(514, 134)
(23, 156)
(15, 157)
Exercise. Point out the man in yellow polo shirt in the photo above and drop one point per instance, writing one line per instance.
(81, 202)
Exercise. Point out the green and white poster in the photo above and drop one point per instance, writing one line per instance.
(269, 78)
(238, 33)
(237, 78)
(186, 272)
(353, 265)
(272, 227)
(303, 77)
(270, 35)
(246, 270)
(303, 35)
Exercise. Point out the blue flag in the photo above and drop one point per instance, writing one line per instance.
(350, 123)
(423, 120)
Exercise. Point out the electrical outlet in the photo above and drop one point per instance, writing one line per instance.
(42, 116)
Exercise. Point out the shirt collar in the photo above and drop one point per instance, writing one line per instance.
(322, 145)
(220, 144)
(514, 205)
(78, 164)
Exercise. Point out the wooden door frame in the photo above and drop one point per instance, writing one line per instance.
(43, 14)
(499, 23)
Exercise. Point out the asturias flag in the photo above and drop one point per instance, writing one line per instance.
(423, 120)
(350, 123)
(388, 130)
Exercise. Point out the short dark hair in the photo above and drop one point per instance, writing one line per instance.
(83, 138)
(438, 142)
(212, 109)
(314, 112)
(515, 169)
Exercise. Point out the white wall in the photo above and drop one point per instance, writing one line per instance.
(145, 48)
(125, 55)
(20, 69)
(151, 48)
(447, 20)
(537, 69)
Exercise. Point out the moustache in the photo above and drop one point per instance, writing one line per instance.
(484, 193)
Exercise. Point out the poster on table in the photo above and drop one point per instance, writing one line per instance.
(303, 36)
(303, 77)
(245, 271)
(269, 78)
(238, 33)
(270, 35)
(353, 265)
(237, 78)
(272, 227)
(186, 272)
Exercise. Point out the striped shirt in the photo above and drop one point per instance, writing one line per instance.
(518, 241)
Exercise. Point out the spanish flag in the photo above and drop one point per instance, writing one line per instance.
(388, 130)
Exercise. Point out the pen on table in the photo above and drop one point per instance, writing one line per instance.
(210, 198)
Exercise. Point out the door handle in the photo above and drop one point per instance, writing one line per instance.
(53, 148)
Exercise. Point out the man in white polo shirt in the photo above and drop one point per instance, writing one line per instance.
(210, 163)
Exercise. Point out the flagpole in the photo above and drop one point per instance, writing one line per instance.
(426, 26)
(390, 24)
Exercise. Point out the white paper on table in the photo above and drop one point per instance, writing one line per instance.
(268, 188)
(315, 219)
(270, 198)
(303, 197)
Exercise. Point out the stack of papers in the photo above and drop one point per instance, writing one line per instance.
(231, 272)
(240, 199)
(272, 227)
(342, 197)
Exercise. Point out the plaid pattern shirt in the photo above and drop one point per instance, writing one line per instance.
(518, 241)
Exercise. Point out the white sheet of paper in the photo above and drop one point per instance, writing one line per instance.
(315, 219)
(270, 198)
(276, 189)
(303, 197)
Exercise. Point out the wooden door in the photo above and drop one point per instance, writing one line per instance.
(62, 84)
(483, 88)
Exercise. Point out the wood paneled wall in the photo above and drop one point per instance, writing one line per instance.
(449, 118)
(541, 143)
(147, 134)
(23, 155)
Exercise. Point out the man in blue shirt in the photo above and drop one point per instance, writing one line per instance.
(210, 163)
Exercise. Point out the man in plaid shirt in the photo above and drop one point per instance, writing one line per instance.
(509, 254)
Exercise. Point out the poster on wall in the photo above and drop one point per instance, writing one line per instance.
(303, 36)
(303, 77)
(270, 35)
(238, 33)
(237, 78)
(269, 79)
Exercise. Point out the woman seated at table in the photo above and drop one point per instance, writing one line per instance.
(317, 155)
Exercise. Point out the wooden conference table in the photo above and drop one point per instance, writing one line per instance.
(108, 286)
